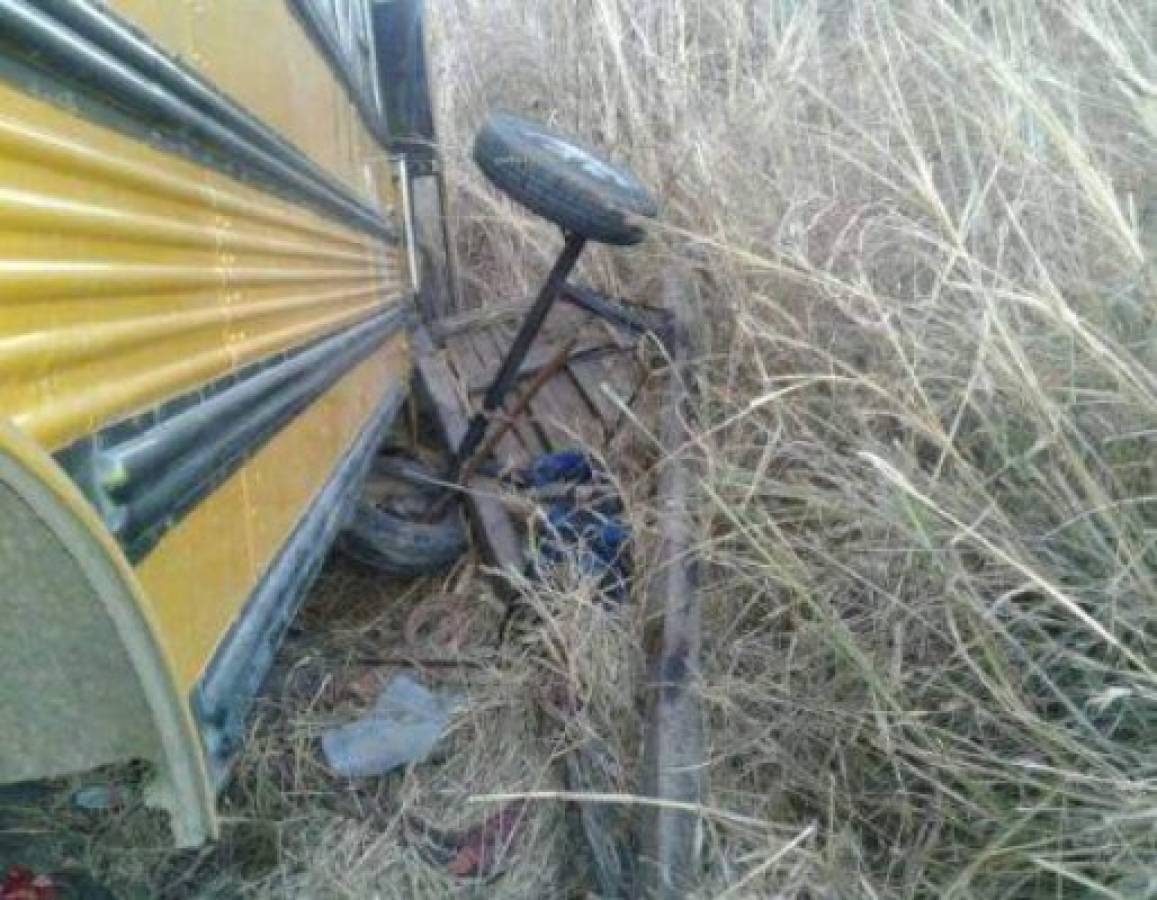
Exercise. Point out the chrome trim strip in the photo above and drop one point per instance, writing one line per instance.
(144, 482)
(408, 225)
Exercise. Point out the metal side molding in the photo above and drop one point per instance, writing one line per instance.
(223, 698)
(145, 481)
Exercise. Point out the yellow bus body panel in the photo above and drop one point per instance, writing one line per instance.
(135, 284)
(130, 276)
(297, 93)
(199, 576)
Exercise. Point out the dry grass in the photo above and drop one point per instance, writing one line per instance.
(292, 829)
(922, 235)
(922, 238)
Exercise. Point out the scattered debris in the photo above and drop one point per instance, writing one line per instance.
(23, 884)
(591, 769)
(98, 798)
(583, 522)
(403, 728)
(364, 687)
(582, 527)
(443, 621)
(572, 466)
(483, 848)
(479, 852)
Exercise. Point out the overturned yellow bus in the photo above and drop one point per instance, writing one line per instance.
(214, 217)
(204, 303)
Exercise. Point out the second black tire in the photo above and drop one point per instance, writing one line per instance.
(393, 538)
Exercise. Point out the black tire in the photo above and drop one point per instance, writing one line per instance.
(563, 180)
(391, 539)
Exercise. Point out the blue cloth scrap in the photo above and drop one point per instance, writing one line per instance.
(593, 536)
(564, 467)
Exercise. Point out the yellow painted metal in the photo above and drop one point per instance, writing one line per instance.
(199, 576)
(256, 52)
(128, 276)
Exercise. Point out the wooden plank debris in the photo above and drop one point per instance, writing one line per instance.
(541, 354)
(669, 836)
(494, 528)
(596, 374)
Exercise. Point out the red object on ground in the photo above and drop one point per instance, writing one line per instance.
(483, 847)
(22, 884)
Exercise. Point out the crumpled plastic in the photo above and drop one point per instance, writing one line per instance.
(404, 726)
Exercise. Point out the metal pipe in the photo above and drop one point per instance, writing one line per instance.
(125, 468)
(617, 312)
(508, 371)
(452, 280)
(408, 225)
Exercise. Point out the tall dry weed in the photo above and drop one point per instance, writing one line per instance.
(922, 236)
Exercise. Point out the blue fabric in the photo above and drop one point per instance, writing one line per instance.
(564, 467)
(593, 535)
